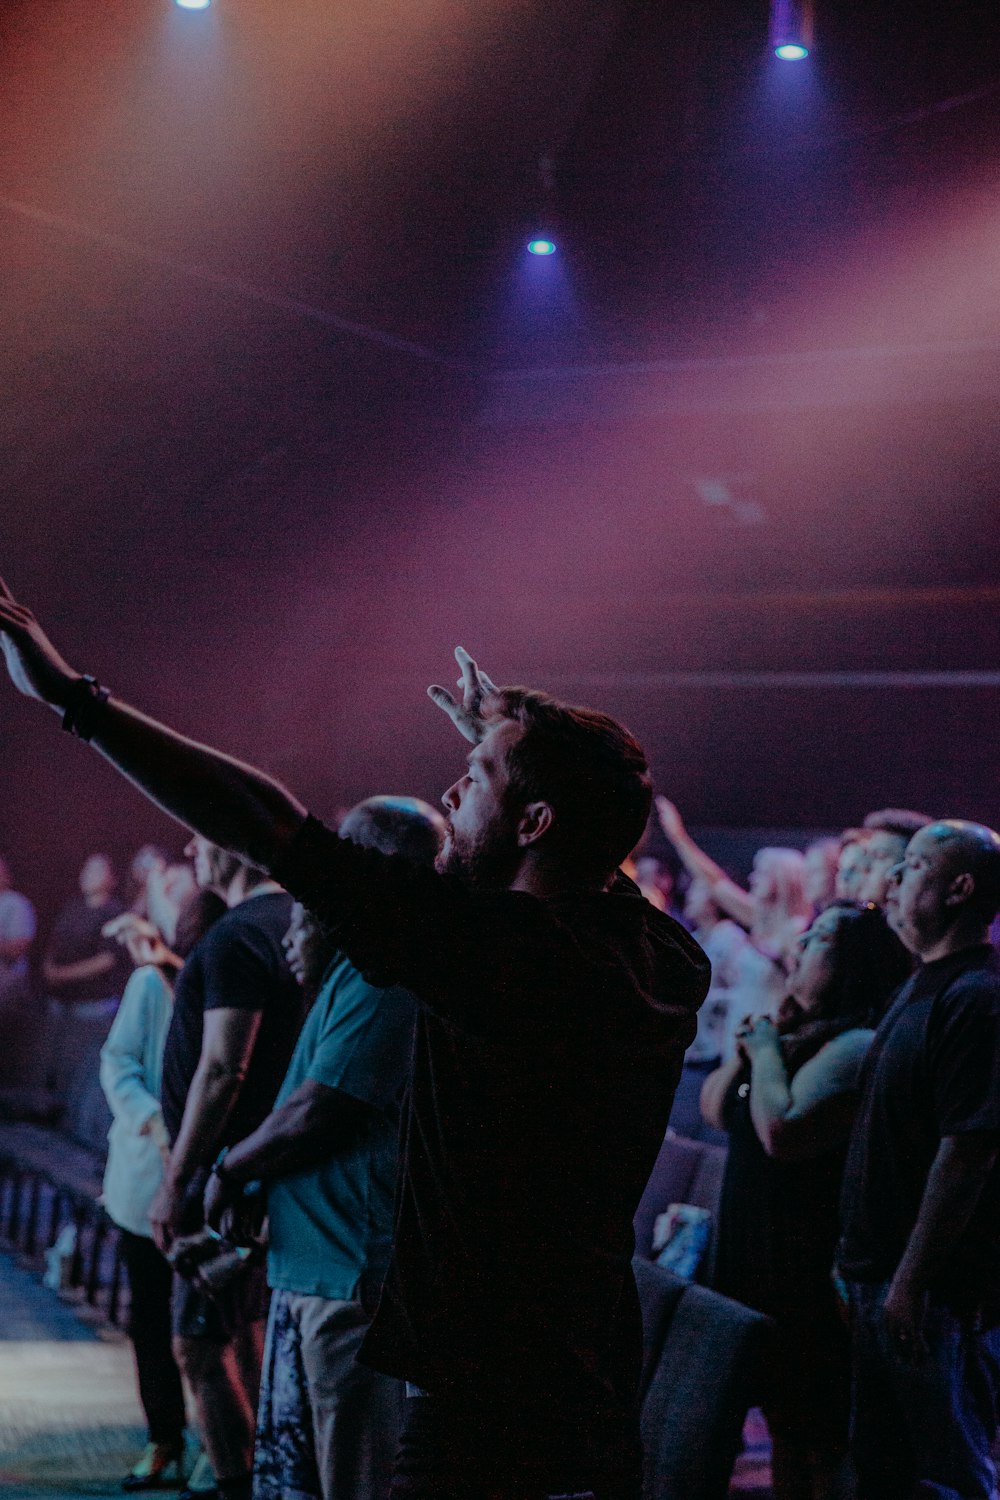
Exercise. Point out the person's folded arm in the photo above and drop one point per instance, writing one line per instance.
(803, 1118)
(712, 1100)
(79, 972)
(310, 1126)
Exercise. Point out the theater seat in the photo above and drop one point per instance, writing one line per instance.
(703, 1357)
(685, 1171)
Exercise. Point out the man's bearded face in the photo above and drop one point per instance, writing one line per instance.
(486, 857)
(480, 844)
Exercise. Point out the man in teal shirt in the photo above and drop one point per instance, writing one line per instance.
(327, 1425)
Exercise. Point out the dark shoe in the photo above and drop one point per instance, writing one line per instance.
(158, 1468)
(201, 1482)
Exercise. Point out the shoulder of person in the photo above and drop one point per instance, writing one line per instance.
(150, 982)
(239, 925)
(241, 943)
(841, 1057)
(344, 985)
(848, 1044)
(979, 986)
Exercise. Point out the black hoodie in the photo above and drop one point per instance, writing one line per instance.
(548, 1045)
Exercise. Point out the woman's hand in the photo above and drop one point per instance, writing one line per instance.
(755, 1035)
(140, 938)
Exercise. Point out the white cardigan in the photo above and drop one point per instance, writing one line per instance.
(131, 1072)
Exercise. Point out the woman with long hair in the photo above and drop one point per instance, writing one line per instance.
(787, 1101)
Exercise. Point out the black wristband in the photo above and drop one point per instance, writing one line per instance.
(85, 700)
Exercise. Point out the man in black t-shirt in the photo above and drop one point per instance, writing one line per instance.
(555, 1006)
(85, 975)
(236, 1018)
(920, 1246)
(81, 966)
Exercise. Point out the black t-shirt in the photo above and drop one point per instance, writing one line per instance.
(239, 964)
(933, 1071)
(76, 935)
(547, 1048)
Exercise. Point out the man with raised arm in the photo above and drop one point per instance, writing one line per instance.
(555, 1005)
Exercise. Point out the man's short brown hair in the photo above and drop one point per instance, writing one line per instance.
(901, 821)
(590, 770)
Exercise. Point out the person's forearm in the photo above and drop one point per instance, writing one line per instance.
(234, 805)
(714, 1091)
(732, 898)
(770, 1095)
(213, 1092)
(81, 971)
(294, 1138)
(954, 1187)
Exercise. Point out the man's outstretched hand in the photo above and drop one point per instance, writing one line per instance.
(475, 687)
(35, 666)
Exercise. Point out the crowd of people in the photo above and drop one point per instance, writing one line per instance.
(386, 1097)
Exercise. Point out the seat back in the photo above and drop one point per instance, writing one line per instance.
(685, 1171)
(703, 1362)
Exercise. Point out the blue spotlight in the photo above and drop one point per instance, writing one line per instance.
(792, 29)
(193, 4)
(541, 247)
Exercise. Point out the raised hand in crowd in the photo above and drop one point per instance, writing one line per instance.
(142, 940)
(475, 688)
(36, 668)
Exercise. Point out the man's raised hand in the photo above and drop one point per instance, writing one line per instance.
(475, 687)
(35, 666)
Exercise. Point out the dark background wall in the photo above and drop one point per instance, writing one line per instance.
(286, 414)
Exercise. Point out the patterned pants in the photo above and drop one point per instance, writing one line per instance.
(327, 1427)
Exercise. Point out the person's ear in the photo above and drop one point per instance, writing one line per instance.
(536, 820)
(961, 889)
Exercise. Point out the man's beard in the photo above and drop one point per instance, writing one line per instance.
(486, 862)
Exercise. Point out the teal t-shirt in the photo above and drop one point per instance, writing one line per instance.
(331, 1227)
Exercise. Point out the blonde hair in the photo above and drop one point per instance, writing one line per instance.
(787, 867)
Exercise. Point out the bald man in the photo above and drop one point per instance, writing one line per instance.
(328, 1426)
(921, 1206)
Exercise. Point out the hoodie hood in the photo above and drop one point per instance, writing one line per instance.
(641, 962)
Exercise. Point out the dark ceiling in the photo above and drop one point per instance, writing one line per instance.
(286, 412)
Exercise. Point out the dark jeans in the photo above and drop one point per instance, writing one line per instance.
(922, 1431)
(462, 1448)
(160, 1390)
